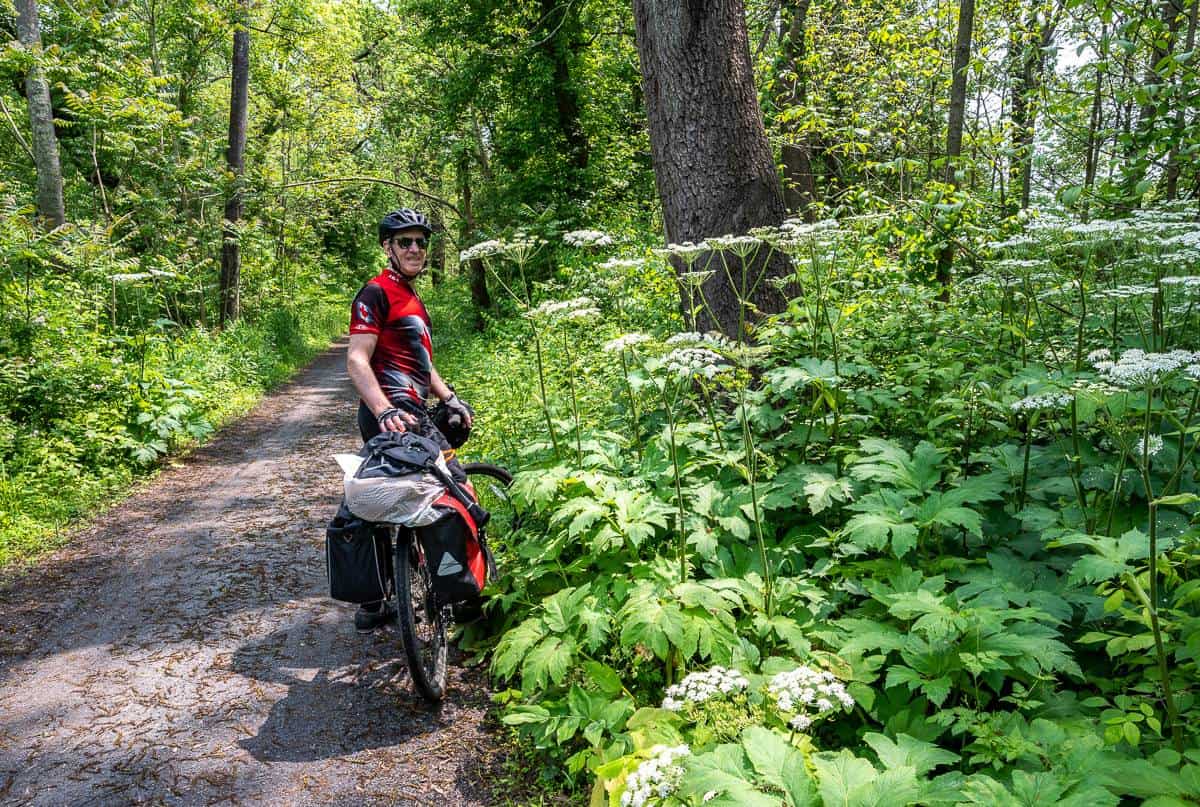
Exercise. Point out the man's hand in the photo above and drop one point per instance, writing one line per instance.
(395, 420)
(459, 408)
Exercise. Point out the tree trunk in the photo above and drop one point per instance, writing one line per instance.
(1139, 153)
(799, 186)
(231, 258)
(1092, 157)
(480, 298)
(44, 144)
(437, 249)
(712, 162)
(557, 48)
(958, 106)
(1029, 64)
(1174, 164)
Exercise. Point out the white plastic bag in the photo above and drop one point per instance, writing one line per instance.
(394, 500)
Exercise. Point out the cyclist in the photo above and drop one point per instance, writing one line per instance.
(390, 359)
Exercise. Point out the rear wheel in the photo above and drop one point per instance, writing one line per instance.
(421, 619)
(491, 487)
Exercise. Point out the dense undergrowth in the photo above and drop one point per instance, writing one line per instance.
(109, 361)
(897, 550)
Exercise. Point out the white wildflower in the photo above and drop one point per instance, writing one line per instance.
(712, 339)
(1100, 354)
(698, 687)
(740, 245)
(656, 778)
(625, 342)
(695, 279)
(1190, 282)
(1047, 400)
(1124, 292)
(808, 695)
(694, 361)
(564, 309)
(1153, 444)
(687, 251)
(623, 263)
(484, 249)
(1137, 367)
(588, 238)
(130, 277)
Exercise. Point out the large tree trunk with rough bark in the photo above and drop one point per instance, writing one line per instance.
(712, 162)
(231, 257)
(44, 144)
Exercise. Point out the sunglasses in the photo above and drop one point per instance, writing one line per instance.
(404, 242)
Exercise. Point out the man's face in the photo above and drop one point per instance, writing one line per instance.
(409, 260)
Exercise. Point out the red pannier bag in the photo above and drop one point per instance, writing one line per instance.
(456, 555)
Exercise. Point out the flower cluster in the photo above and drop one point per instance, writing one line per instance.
(1190, 282)
(1124, 292)
(518, 248)
(1047, 400)
(808, 695)
(794, 233)
(740, 245)
(1153, 444)
(694, 361)
(697, 687)
(1137, 367)
(588, 238)
(695, 279)
(577, 308)
(656, 778)
(623, 263)
(484, 249)
(686, 252)
(625, 342)
(712, 339)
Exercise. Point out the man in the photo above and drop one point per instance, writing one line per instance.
(390, 360)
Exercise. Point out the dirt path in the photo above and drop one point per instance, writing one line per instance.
(182, 650)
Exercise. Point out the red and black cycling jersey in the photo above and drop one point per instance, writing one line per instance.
(403, 359)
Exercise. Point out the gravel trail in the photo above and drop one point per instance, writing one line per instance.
(182, 649)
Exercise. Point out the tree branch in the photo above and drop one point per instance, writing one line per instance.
(17, 132)
(379, 181)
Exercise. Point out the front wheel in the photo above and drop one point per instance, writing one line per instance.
(421, 619)
(491, 483)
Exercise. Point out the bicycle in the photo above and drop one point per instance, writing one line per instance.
(422, 621)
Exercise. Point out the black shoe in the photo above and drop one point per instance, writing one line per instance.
(370, 617)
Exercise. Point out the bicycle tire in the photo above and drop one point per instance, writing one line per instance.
(421, 619)
(491, 483)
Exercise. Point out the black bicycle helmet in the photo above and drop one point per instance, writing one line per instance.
(403, 219)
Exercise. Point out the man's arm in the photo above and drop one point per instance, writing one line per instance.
(358, 367)
(442, 390)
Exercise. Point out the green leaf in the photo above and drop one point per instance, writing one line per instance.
(909, 751)
(772, 756)
(823, 489)
(604, 678)
(844, 779)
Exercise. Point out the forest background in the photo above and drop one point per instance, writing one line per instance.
(939, 449)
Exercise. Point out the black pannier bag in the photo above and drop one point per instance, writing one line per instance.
(455, 553)
(356, 559)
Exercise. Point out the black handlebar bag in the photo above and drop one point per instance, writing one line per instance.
(356, 559)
